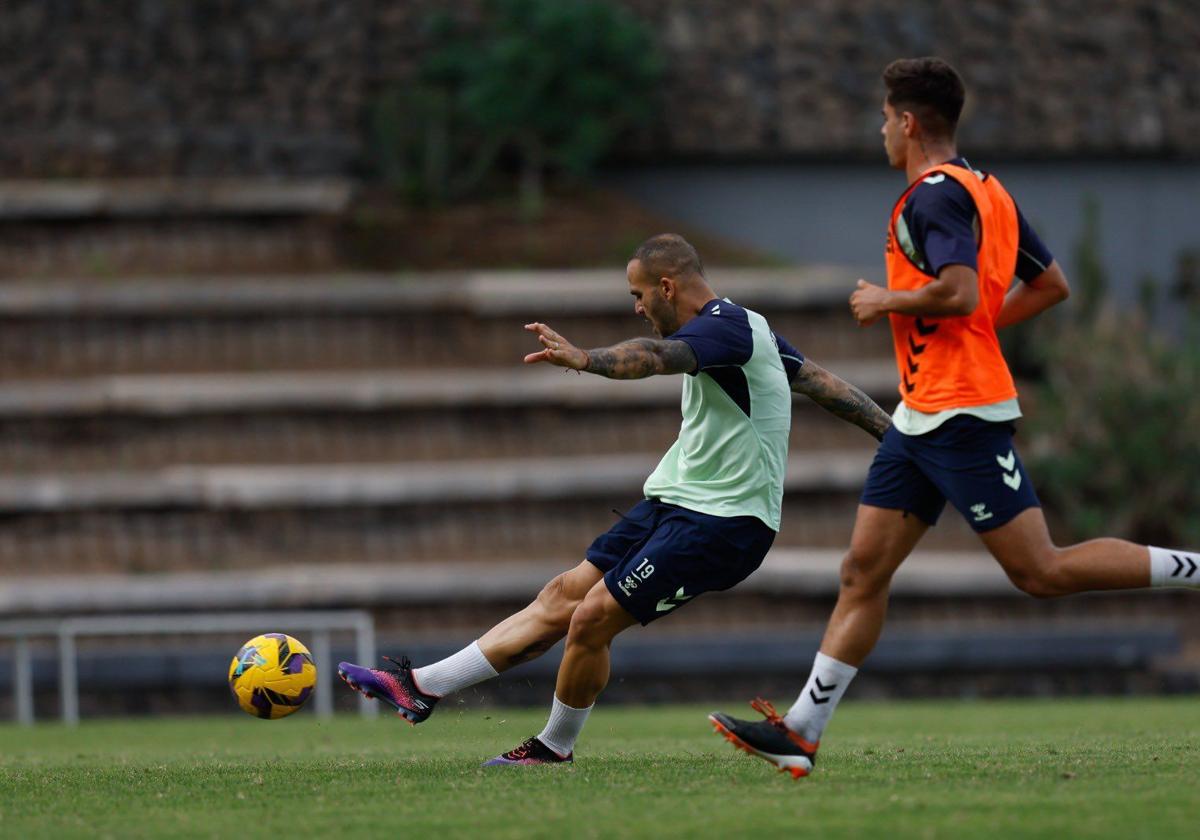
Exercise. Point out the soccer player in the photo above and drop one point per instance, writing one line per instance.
(955, 241)
(711, 507)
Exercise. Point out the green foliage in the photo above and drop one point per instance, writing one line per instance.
(549, 84)
(1115, 448)
(410, 145)
(1060, 768)
(1115, 426)
(1090, 281)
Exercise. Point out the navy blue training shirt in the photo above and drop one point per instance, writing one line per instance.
(723, 342)
(941, 221)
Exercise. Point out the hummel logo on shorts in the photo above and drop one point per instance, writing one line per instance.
(1009, 462)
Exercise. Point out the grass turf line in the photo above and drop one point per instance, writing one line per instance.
(1058, 768)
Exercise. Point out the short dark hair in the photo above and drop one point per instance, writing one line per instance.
(669, 255)
(930, 88)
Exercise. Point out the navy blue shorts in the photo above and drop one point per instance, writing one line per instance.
(660, 556)
(969, 461)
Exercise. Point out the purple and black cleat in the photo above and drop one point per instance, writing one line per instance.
(532, 751)
(393, 685)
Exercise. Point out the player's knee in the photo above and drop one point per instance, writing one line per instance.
(1035, 585)
(588, 624)
(860, 573)
(1040, 575)
(555, 603)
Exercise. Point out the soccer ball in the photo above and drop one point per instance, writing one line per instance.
(272, 675)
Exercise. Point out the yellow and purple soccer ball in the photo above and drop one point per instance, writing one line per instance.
(272, 676)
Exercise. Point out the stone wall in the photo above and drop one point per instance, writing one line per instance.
(1093, 77)
(282, 87)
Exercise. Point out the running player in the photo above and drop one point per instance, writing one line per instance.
(711, 507)
(955, 241)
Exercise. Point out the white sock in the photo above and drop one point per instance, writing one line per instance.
(1171, 567)
(814, 707)
(564, 727)
(455, 672)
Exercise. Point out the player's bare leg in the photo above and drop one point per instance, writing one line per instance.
(581, 677)
(882, 539)
(534, 630)
(585, 664)
(525, 635)
(1035, 565)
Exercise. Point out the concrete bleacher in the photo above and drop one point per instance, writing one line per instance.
(135, 438)
(114, 227)
(353, 322)
(373, 441)
(156, 198)
(156, 420)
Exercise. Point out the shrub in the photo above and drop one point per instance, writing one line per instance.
(1114, 435)
(1114, 444)
(547, 84)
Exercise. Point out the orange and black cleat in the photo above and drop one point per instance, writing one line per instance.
(768, 739)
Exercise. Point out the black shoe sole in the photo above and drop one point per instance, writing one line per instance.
(728, 735)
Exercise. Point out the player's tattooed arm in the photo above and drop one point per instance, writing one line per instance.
(636, 358)
(840, 398)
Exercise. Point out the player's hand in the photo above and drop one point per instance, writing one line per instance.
(868, 303)
(556, 349)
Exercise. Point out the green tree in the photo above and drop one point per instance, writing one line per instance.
(1115, 431)
(548, 84)
(1114, 443)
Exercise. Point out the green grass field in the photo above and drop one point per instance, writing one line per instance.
(1058, 769)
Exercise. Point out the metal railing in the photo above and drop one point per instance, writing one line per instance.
(68, 630)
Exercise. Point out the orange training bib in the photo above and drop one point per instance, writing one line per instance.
(955, 361)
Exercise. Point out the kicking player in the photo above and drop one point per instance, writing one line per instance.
(955, 241)
(711, 507)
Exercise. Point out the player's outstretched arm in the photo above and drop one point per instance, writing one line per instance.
(636, 358)
(840, 398)
(1024, 300)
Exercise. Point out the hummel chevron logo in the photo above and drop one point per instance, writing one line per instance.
(913, 367)
(1009, 462)
(917, 349)
(716, 310)
(673, 601)
(824, 689)
(908, 386)
(1179, 566)
(925, 329)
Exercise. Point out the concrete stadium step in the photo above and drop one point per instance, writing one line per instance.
(146, 422)
(156, 198)
(173, 539)
(55, 329)
(337, 485)
(194, 224)
(800, 573)
(164, 396)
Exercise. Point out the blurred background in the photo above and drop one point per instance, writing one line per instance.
(263, 271)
